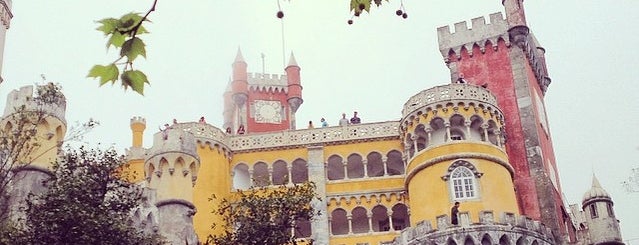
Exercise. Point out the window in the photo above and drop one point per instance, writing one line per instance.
(610, 213)
(593, 211)
(463, 183)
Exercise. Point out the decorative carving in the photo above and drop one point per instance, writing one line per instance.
(461, 163)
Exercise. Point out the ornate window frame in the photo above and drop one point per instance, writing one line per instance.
(460, 186)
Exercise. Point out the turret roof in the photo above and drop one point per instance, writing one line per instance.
(595, 192)
(239, 57)
(292, 61)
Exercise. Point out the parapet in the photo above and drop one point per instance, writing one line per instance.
(509, 226)
(52, 105)
(442, 95)
(137, 119)
(479, 34)
(268, 82)
(174, 141)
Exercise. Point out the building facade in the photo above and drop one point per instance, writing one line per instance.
(482, 140)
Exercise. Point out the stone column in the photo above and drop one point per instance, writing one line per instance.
(317, 174)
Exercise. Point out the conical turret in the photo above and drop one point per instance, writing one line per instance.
(603, 226)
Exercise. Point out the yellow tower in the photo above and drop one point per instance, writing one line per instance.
(171, 168)
(453, 142)
(136, 154)
(33, 131)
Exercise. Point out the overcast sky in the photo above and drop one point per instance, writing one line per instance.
(372, 66)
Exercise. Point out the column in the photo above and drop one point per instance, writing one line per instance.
(385, 162)
(350, 223)
(390, 219)
(369, 215)
(429, 131)
(365, 163)
(288, 174)
(345, 164)
(467, 124)
(447, 125)
(484, 127)
(320, 225)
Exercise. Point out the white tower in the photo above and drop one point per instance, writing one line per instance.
(5, 20)
(603, 226)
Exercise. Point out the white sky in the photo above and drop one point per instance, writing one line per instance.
(373, 67)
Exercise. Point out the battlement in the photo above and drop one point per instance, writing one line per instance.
(173, 141)
(480, 34)
(53, 104)
(273, 82)
(509, 226)
(138, 119)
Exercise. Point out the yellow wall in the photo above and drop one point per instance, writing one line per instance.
(431, 196)
(213, 179)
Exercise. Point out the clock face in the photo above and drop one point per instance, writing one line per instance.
(268, 111)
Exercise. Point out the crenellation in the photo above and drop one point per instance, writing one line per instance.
(25, 97)
(480, 34)
(138, 119)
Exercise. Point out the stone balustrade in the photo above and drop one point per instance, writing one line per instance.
(444, 94)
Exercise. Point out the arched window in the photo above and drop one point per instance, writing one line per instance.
(359, 220)
(355, 166)
(335, 168)
(339, 223)
(504, 240)
(374, 165)
(463, 183)
(260, 174)
(280, 173)
(380, 219)
(400, 217)
(241, 178)
(486, 240)
(299, 171)
(394, 163)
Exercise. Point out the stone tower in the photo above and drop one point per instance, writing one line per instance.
(506, 58)
(45, 116)
(5, 21)
(171, 169)
(262, 102)
(601, 224)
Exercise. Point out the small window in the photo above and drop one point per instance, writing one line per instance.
(463, 183)
(456, 137)
(610, 212)
(593, 211)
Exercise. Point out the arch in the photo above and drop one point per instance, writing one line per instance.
(394, 163)
(438, 130)
(299, 171)
(400, 217)
(280, 173)
(150, 171)
(469, 241)
(335, 168)
(374, 164)
(260, 174)
(355, 166)
(492, 132)
(193, 169)
(421, 137)
(179, 165)
(359, 220)
(164, 166)
(503, 240)
(521, 241)
(241, 177)
(457, 133)
(535, 243)
(59, 134)
(380, 218)
(451, 241)
(476, 132)
(8, 127)
(485, 240)
(339, 222)
(302, 228)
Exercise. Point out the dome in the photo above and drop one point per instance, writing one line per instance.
(596, 192)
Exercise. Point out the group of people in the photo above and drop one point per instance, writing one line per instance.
(240, 130)
(342, 121)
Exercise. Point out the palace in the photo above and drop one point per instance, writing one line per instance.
(481, 139)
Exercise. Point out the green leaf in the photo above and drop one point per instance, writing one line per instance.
(108, 25)
(135, 79)
(132, 48)
(128, 21)
(116, 40)
(105, 73)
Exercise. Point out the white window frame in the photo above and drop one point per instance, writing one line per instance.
(463, 184)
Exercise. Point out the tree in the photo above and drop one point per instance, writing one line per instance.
(265, 215)
(20, 138)
(88, 201)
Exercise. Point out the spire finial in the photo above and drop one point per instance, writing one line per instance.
(595, 181)
(292, 61)
(239, 57)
